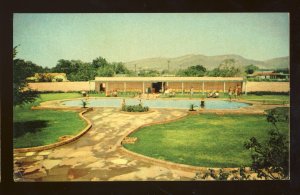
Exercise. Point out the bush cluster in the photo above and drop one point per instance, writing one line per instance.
(135, 108)
(270, 159)
(92, 92)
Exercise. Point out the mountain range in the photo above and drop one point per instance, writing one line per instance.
(209, 62)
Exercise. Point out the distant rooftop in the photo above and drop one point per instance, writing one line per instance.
(268, 74)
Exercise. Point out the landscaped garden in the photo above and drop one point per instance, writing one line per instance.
(201, 140)
(41, 127)
(208, 140)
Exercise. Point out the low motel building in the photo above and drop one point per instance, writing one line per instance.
(160, 84)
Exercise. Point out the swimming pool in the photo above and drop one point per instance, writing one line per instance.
(157, 103)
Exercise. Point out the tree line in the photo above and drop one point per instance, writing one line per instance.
(77, 70)
(226, 68)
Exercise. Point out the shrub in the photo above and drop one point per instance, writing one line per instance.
(135, 108)
(279, 114)
(192, 106)
(271, 158)
(221, 174)
(83, 103)
(92, 92)
(59, 79)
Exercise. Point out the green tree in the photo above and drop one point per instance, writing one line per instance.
(76, 70)
(44, 77)
(148, 73)
(63, 66)
(227, 68)
(21, 92)
(105, 71)
(282, 70)
(85, 72)
(270, 159)
(193, 71)
(119, 68)
(15, 52)
(47, 70)
(250, 69)
(99, 62)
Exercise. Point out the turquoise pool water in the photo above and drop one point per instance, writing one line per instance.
(158, 103)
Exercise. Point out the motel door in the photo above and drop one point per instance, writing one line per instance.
(158, 86)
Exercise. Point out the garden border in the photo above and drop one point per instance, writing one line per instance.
(60, 143)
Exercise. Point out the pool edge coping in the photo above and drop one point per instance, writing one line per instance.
(50, 104)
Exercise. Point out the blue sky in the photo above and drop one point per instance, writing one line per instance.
(46, 38)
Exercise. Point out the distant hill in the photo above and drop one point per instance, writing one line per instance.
(210, 62)
(282, 62)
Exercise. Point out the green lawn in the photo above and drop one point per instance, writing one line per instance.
(57, 96)
(41, 127)
(207, 140)
(268, 99)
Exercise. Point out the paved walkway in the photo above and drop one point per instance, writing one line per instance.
(96, 156)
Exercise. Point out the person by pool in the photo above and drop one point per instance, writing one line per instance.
(209, 94)
(238, 91)
(235, 93)
(191, 91)
(230, 91)
(123, 104)
(213, 94)
(202, 104)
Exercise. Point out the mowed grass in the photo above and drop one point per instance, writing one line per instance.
(42, 127)
(207, 140)
(268, 99)
(57, 96)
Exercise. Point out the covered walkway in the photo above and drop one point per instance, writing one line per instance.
(160, 84)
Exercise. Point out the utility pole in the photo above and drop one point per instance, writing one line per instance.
(135, 69)
(168, 66)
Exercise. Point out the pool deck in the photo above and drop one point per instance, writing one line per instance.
(98, 154)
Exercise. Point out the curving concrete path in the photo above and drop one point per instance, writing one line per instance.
(97, 155)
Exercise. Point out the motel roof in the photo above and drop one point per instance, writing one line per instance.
(169, 79)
